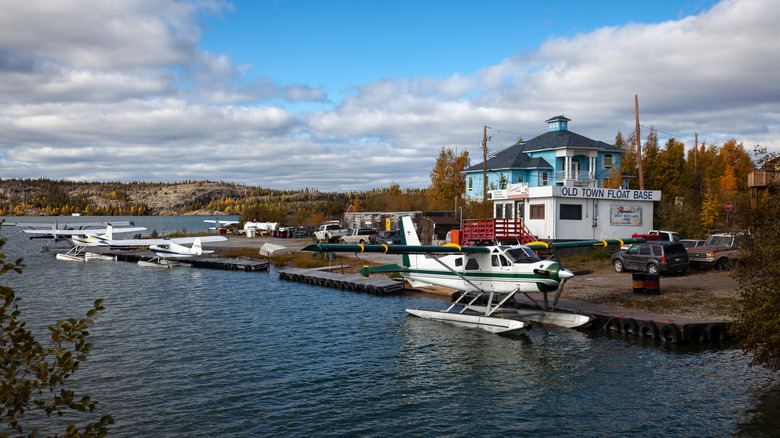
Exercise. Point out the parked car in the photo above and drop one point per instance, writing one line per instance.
(658, 256)
(691, 243)
(719, 251)
(389, 237)
(328, 232)
(360, 236)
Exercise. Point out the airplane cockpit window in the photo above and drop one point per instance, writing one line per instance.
(499, 260)
(472, 264)
(521, 255)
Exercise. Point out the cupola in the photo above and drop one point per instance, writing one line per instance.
(558, 123)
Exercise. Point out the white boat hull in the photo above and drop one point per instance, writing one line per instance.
(71, 258)
(488, 323)
(96, 256)
(556, 318)
(562, 319)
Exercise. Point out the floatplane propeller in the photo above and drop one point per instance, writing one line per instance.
(498, 272)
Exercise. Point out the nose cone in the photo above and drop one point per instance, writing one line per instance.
(565, 274)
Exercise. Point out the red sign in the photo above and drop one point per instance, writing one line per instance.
(728, 206)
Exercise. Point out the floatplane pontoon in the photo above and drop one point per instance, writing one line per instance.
(488, 278)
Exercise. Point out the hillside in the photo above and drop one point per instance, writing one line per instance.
(44, 197)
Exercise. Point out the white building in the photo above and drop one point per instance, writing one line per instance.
(577, 213)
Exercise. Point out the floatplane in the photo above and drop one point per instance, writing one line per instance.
(487, 278)
(56, 231)
(219, 223)
(164, 249)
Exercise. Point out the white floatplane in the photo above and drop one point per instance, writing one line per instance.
(166, 249)
(60, 231)
(488, 277)
(219, 223)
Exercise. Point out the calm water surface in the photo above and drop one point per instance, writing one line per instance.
(191, 352)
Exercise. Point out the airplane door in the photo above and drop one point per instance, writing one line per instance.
(499, 265)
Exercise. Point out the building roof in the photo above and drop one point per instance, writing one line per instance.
(516, 157)
(513, 157)
(562, 139)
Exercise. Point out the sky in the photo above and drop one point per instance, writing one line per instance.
(353, 95)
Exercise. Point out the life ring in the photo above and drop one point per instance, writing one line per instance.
(715, 332)
(648, 329)
(613, 325)
(696, 333)
(670, 333)
(629, 325)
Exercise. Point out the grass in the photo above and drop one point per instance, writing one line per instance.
(595, 258)
(302, 259)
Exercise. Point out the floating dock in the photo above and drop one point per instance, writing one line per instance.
(646, 325)
(195, 262)
(322, 277)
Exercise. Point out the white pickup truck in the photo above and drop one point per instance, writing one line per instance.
(329, 232)
(670, 236)
(359, 235)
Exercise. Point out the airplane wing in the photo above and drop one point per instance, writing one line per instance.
(67, 226)
(92, 232)
(398, 249)
(147, 242)
(220, 222)
(582, 243)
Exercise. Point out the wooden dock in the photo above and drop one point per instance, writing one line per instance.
(321, 277)
(646, 325)
(195, 262)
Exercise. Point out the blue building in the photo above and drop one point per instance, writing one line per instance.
(554, 185)
(558, 157)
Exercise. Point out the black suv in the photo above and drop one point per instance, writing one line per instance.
(390, 237)
(652, 257)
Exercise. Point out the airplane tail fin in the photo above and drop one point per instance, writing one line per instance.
(408, 237)
(197, 247)
(109, 232)
(408, 233)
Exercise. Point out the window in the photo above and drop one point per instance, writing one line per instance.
(521, 178)
(470, 182)
(537, 211)
(607, 161)
(459, 262)
(544, 178)
(571, 212)
(499, 260)
(472, 264)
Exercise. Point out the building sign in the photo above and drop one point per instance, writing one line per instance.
(602, 193)
(625, 215)
(517, 190)
(496, 194)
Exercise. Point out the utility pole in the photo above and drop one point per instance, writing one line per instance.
(638, 144)
(484, 164)
(695, 153)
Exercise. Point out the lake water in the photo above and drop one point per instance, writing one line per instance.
(194, 352)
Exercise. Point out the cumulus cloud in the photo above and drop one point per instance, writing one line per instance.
(121, 91)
